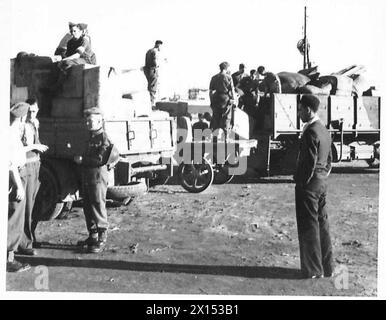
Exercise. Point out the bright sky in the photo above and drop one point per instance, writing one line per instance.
(200, 34)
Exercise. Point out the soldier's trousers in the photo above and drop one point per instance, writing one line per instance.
(313, 229)
(16, 216)
(94, 185)
(152, 82)
(31, 190)
(221, 118)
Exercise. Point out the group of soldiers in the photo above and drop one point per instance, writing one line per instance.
(313, 165)
(24, 166)
(227, 91)
(25, 148)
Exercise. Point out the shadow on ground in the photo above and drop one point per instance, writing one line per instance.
(235, 271)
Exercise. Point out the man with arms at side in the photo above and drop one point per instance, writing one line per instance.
(94, 181)
(312, 169)
(222, 95)
(151, 69)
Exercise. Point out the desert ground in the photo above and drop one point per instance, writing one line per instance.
(233, 239)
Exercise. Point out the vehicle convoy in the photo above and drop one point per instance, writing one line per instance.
(146, 139)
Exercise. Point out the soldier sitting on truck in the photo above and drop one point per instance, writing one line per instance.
(94, 181)
(78, 48)
(78, 51)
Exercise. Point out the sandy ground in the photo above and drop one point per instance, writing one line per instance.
(234, 239)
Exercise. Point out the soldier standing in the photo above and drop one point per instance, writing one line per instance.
(94, 181)
(221, 94)
(151, 69)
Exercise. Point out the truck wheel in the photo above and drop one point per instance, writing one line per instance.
(135, 188)
(196, 178)
(46, 204)
(221, 174)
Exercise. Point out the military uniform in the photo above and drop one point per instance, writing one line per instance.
(312, 170)
(94, 181)
(151, 72)
(94, 184)
(220, 104)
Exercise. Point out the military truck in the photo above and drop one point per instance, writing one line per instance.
(353, 121)
(146, 139)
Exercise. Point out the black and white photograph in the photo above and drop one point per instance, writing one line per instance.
(207, 149)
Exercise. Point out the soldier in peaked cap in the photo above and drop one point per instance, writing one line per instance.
(94, 169)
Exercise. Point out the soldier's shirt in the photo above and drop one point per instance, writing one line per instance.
(221, 83)
(83, 47)
(97, 149)
(151, 59)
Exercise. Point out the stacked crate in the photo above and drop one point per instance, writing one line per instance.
(87, 86)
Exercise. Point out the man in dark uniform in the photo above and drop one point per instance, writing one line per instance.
(238, 75)
(151, 69)
(94, 181)
(221, 94)
(248, 87)
(312, 169)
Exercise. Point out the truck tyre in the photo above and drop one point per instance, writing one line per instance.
(47, 206)
(196, 178)
(135, 188)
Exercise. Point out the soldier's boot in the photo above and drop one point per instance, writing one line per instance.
(101, 243)
(92, 239)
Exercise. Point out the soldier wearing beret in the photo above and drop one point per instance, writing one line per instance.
(94, 181)
(312, 169)
(17, 181)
